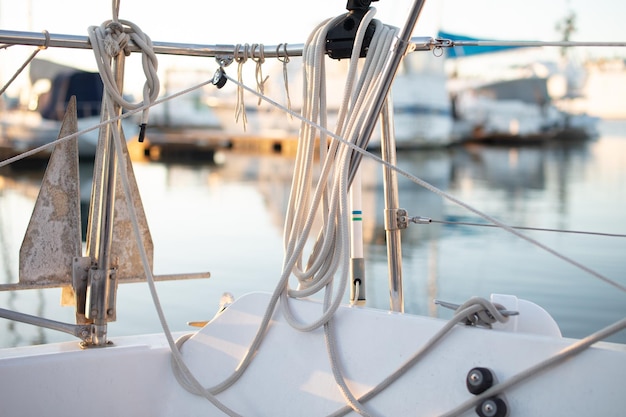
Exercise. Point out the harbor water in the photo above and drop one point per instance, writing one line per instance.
(226, 218)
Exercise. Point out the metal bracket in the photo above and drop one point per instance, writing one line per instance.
(224, 60)
(396, 219)
(80, 276)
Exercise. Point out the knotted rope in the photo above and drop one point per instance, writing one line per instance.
(485, 316)
(285, 60)
(258, 72)
(109, 40)
(241, 54)
(241, 57)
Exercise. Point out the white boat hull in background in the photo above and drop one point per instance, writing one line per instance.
(422, 107)
(26, 130)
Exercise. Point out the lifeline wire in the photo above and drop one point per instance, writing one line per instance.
(326, 133)
(125, 115)
(422, 220)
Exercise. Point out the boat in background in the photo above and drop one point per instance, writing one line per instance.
(186, 111)
(185, 127)
(421, 104)
(519, 111)
(34, 119)
(523, 103)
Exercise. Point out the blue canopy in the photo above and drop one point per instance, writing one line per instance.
(463, 51)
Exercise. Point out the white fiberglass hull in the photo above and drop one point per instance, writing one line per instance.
(290, 374)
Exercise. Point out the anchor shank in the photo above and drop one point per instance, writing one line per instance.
(102, 283)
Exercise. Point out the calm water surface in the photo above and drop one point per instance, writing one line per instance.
(227, 219)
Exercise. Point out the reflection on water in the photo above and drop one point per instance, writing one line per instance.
(15, 190)
(227, 219)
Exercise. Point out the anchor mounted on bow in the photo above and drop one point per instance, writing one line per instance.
(51, 252)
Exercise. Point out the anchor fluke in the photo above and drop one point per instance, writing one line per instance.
(53, 235)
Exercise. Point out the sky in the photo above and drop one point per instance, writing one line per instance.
(210, 21)
(279, 21)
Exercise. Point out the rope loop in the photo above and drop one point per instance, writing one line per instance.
(261, 58)
(242, 53)
(47, 42)
(285, 60)
(258, 72)
(240, 108)
(486, 312)
(109, 40)
(116, 39)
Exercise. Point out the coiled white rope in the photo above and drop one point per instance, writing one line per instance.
(109, 40)
(331, 249)
(328, 260)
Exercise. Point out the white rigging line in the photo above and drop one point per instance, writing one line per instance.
(426, 220)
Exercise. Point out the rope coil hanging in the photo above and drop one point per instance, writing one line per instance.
(285, 60)
(109, 40)
(258, 71)
(328, 195)
(240, 58)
